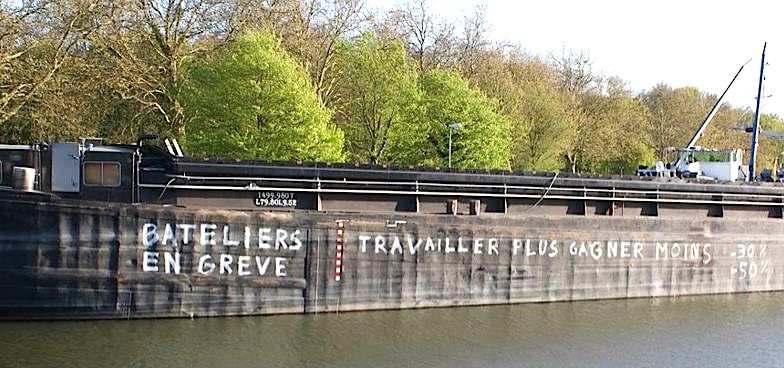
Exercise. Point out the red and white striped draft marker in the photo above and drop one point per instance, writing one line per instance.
(339, 251)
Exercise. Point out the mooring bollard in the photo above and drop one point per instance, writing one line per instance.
(476, 207)
(451, 207)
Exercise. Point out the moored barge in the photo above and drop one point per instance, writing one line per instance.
(89, 230)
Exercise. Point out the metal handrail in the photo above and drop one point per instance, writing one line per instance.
(505, 187)
(463, 194)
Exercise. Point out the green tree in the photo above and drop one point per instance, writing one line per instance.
(539, 119)
(482, 141)
(542, 129)
(378, 102)
(772, 149)
(675, 115)
(577, 81)
(251, 99)
(43, 90)
(61, 108)
(310, 30)
(616, 141)
(611, 128)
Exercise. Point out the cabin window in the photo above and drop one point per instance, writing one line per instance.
(101, 173)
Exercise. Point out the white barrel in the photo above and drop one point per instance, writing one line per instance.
(24, 178)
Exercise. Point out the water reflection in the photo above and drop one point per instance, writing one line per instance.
(724, 330)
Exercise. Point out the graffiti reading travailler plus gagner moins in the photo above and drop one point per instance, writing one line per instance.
(526, 247)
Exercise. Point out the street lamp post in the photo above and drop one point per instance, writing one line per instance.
(451, 126)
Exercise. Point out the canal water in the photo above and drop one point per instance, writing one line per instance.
(709, 331)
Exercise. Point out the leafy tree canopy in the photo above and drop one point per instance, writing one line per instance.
(250, 99)
(377, 102)
(481, 141)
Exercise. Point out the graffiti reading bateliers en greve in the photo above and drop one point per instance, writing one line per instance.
(242, 248)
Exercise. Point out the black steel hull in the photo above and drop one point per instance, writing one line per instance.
(63, 259)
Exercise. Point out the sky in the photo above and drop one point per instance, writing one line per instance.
(681, 43)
